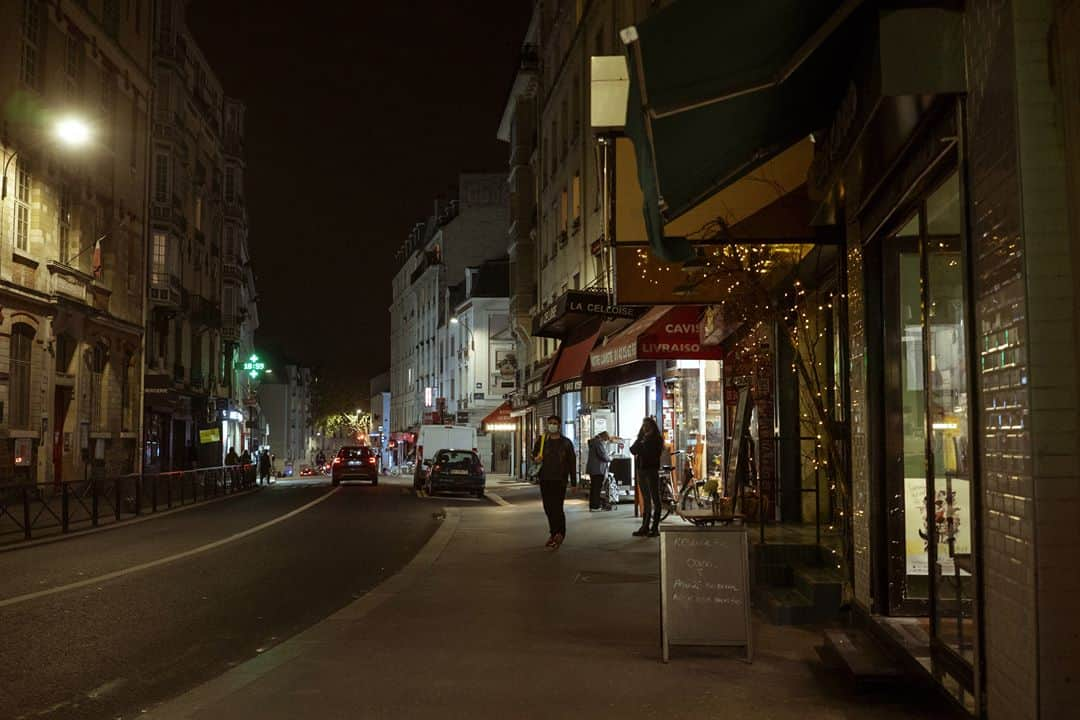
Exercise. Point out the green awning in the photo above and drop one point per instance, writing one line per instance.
(718, 88)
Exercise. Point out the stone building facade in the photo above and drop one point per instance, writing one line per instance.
(72, 238)
(201, 315)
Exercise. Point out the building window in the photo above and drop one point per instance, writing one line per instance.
(161, 178)
(98, 360)
(230, 185)
(31, 55)
(73, 63)
(125, 394)
(22, 207)
(564, 212)
(22, 340)
(576, 196)
(63, 221)
(65, 351)
(133, 263)
(159, 269)
(110, 17)
(230, 243)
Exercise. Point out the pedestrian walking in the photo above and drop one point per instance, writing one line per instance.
(647, 449)
(557, 462)
(264, 467)
(232, 460)
(597, 467)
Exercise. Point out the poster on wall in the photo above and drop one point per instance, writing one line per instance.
(915, 527)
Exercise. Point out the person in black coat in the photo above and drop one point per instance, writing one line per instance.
(557, 460)
(647, 450)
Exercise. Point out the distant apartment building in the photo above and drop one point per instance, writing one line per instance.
(381, 419)
(73, 237)
(460, 234)
(478, 364)
(285, 402)
(202, 312)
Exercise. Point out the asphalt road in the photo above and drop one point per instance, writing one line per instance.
(110, 649)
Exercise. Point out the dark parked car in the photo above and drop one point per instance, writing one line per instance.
(356, 462)
(458, 471)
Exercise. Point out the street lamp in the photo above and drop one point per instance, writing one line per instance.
(70, 131)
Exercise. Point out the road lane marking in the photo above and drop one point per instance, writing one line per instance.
(167, 559)
(204, 697)
(496, 498)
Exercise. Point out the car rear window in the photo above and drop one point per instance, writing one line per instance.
(353, 453)
(456, 459)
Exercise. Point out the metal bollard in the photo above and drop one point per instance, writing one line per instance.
(64, 507)
(26, 512)
(94, 502)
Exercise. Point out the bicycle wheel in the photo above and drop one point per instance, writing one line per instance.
(691, 497)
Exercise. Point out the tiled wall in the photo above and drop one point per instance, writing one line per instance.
(1052, 359)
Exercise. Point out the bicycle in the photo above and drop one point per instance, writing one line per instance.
(690, 495)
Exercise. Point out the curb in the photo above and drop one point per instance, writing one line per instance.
(326, 630)
(27, 544)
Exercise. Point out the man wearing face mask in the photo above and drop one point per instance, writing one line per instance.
(555, 456)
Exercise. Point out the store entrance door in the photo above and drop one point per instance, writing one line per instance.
(929, 534)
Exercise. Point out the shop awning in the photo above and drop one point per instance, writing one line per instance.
(499, 419)
(663, 333)
(719, 88)
(565, 373)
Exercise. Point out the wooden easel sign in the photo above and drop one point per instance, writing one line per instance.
(705, 588)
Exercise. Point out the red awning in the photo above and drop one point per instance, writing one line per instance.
(572, 356)
(499, 416)
(663, 333)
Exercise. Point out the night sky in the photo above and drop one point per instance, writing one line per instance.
(358, 116)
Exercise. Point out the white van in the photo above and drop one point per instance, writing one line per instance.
(433, 438)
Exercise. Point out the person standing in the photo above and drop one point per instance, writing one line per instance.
(232, 460)
(557, 462)
(264, 467)
(647, 449)
(597, 467)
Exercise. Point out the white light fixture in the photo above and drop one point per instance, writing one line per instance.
(454, 320)
(500, 427)
(72, 131)
(610, 85)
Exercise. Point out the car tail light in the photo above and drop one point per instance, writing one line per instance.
(436, 468)
(337, 461)
(371, 460)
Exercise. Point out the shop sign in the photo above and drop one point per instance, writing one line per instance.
(564, 387)
(592, 306)
(210, 435)
(617, 354)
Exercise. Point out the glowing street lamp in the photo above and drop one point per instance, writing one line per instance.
(72, 131)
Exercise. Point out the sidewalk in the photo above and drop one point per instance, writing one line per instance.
(486, 623)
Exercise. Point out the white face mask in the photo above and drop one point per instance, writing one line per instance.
(553, 428)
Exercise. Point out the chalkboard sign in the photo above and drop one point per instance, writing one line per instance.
(704, 587)
(736, 459)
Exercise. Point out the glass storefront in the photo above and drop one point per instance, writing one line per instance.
(927, 421)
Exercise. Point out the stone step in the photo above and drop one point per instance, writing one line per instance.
(785, 606)
(859, 658)
(824, 586)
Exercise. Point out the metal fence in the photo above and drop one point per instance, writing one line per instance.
(35, 510)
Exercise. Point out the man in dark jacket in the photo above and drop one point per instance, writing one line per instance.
(558, 464)
(597, 467)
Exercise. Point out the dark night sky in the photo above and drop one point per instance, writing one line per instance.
(358, 115)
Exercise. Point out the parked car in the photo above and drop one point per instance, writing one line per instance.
(457, 471)
(307, 471)
(355, 462)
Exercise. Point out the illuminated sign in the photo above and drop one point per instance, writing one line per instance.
(254, 367)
